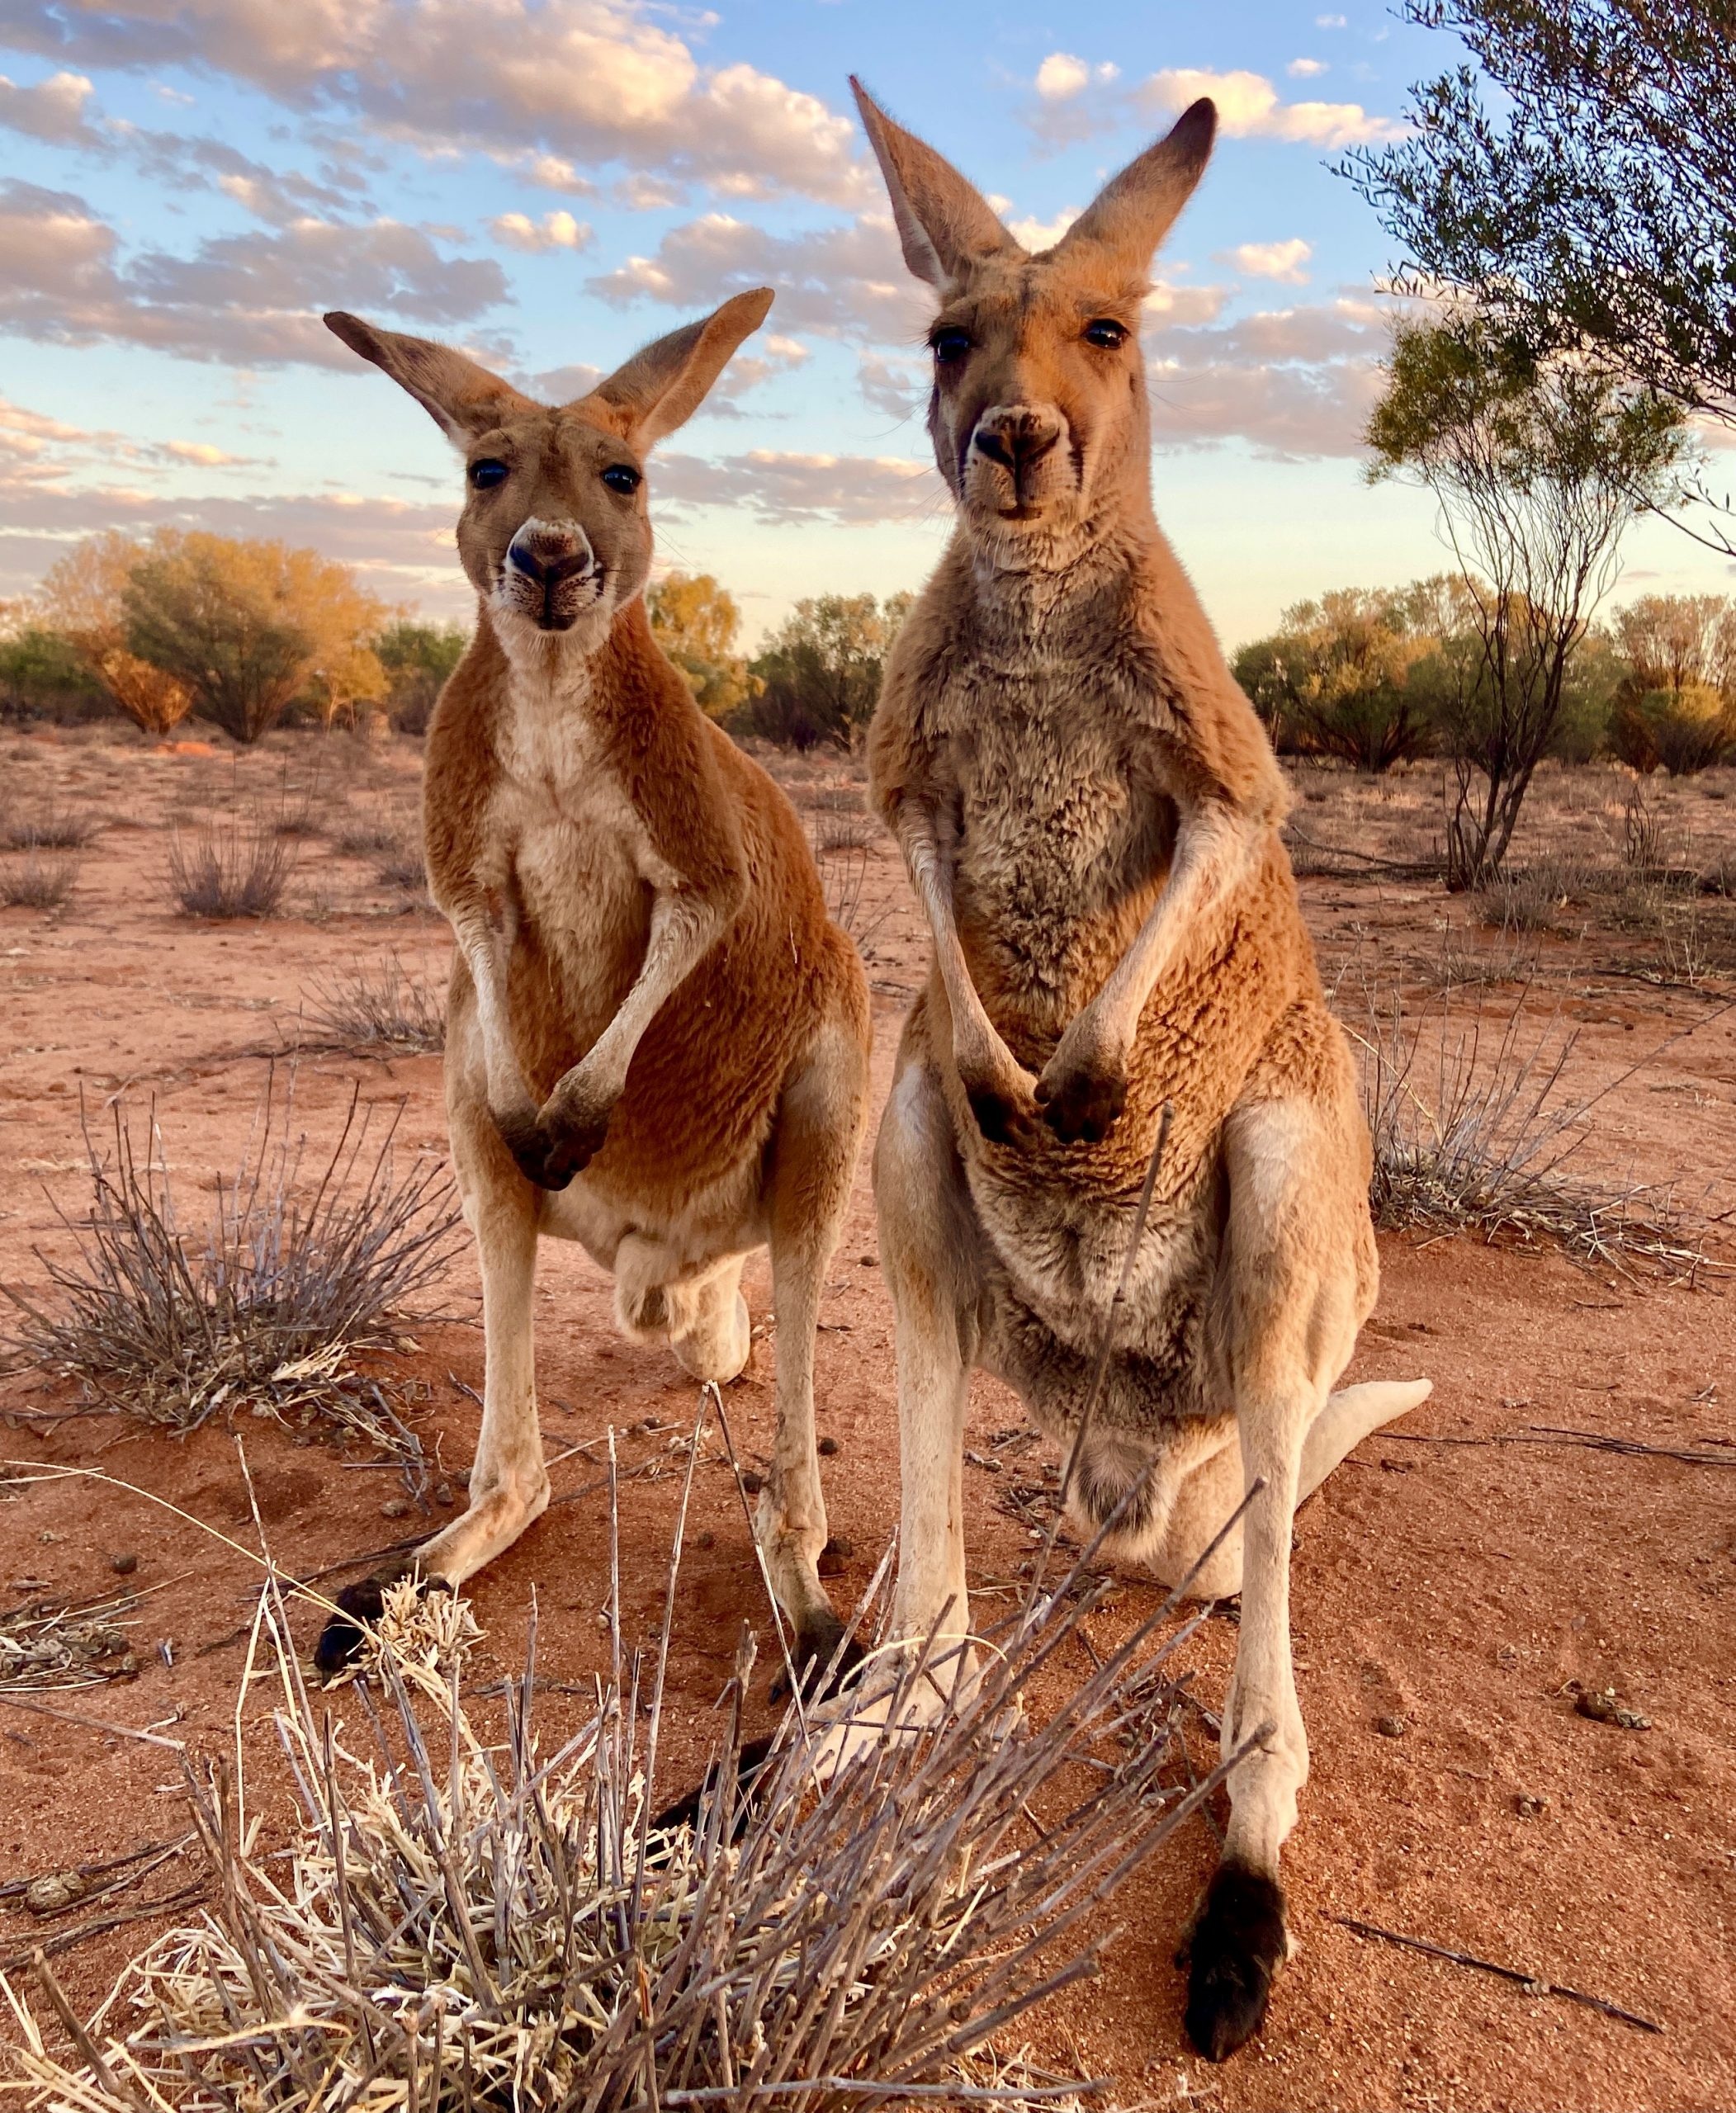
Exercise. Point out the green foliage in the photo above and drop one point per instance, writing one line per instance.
(1333, 679)
(249, 627)
(1582, 191)
(417, 658)
(42, 674)
(821, 671)
(1538, 466)
(695, 622)
(1681, 731)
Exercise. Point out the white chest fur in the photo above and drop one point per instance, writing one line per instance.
(584, 868)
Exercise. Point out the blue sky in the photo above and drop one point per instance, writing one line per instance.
(187, 184)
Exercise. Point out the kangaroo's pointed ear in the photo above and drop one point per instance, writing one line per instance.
(1133, 211)
(945, 224)
(462, 398)
(662, 386)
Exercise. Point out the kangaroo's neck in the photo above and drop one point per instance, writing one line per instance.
(1019, 607)
(552, 676)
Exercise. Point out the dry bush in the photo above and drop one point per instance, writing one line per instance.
(368, 835)
(54, 1644)
(404, 868)
(375, 1005)
(300, 810)
(1718, 877)
(1644, 848)
(51, 828)
(843, 870)
(458, 1924)
(844, 833)
(37, 883)
(229, 869)
(1532, 898)
(305, 1260)
(1475, 1128)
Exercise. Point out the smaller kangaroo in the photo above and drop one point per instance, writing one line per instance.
(1090, 811)
(657, 1044)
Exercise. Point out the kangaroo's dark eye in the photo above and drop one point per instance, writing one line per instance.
(1105, 334)
(949, 347)
(623, 477)
(487, 473)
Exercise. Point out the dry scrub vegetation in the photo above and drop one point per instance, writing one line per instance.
(458, 1921)
(306, 1259)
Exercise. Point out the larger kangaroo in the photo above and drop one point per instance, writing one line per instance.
(656, 1041)
(1090, 811)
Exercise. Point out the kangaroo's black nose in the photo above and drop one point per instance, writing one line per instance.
(1015, 442)
(547, 559)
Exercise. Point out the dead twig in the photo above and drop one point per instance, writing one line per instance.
(1593, 1441)
(89, 1723)
(1532, 1983)
(99, 1925)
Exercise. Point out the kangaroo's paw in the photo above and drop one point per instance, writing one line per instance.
(359, 1607)
(1238, 1944)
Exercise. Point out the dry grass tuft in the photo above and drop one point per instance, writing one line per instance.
(367, 835)
(229, 869)
(842, 859)
(47, 1643)
(51, 829)
(39, 883)
(402, 867)
(1533, 898)
(457, 1924)
(304, 1261)
(375, 1005)
(1476, 1131)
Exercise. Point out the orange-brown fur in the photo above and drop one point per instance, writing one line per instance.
(657, 1041)
(704, 1079)
(1090, 811)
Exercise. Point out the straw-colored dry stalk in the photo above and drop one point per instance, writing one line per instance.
(458, 1921)
(47, 1643)
(305, 1259)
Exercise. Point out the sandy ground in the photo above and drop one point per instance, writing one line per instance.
(1452, 1581)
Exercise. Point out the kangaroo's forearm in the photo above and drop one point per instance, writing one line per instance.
(931, 875)
(486, 946)
(1214, 849)
(684, 927)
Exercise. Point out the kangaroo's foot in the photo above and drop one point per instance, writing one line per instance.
(1237, 1945)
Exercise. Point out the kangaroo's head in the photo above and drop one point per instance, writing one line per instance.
(1038, 414)
(555, 533)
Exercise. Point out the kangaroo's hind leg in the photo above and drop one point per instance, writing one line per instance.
(509, 1485)
(929, 1249)
(814, 1149)
(1300, 1277)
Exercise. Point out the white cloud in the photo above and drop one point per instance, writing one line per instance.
(29, 432)
(1043, 234)
(896, 388)
(1331, 21)
(1061, 76)
(201, 454)
(1305, 69)
(252, 300)
(1185, 306)
(1250, 107)
(52, 110)
(559, 385)
(587, 82)
(553, 231)
(1293, 383)
(845, 280)
(1271, 260)
(797, 488)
